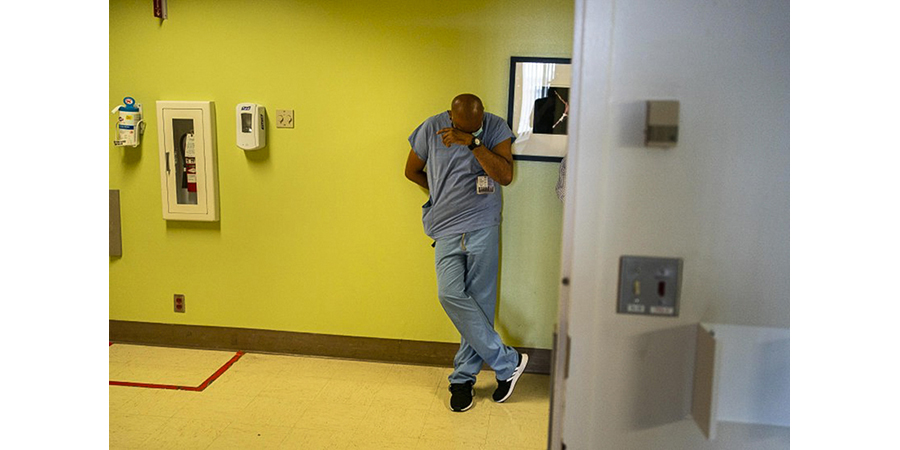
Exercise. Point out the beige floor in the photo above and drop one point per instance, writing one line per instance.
(293, 402)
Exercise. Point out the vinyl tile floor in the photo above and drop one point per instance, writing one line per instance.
(296, 402)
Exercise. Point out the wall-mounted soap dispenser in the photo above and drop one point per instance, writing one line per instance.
(251, 126)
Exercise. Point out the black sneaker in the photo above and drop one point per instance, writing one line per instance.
(505, 388)
(461, 395)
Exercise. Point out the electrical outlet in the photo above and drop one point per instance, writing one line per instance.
(179, 303)
(284, 118)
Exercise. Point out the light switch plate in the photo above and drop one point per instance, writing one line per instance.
(284, 118)
(649, 285)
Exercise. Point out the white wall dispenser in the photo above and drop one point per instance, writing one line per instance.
(251, 126)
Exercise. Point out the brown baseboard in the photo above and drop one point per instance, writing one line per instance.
(294, 343)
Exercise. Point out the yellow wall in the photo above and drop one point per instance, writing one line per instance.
(320, 232)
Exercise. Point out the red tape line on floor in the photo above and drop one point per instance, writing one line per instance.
(200, 388)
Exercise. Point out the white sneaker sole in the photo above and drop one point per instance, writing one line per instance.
(515, 378)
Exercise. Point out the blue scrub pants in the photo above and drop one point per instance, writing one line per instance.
(467, 266)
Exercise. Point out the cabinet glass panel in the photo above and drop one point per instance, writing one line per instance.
(185, 156)
(186, 162)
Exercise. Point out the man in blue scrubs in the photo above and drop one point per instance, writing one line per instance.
(461, 157)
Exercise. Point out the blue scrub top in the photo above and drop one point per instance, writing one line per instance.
(454, 206)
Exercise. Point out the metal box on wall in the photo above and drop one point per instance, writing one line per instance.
(649, 286)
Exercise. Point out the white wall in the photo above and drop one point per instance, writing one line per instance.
(720, 200)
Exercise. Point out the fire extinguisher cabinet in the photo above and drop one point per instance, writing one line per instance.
(187, 160)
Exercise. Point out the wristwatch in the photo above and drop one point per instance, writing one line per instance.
(476, 142)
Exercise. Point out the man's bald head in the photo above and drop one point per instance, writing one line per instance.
(467, 112)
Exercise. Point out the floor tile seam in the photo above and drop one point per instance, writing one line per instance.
(434, 387)
(146, 415)
(502, 409)
(326, 394)
(304, 396)
(281, 379)
(380, 414)
(209, 404)
(472, 418)
(464, 441)
(332, 395)
(244, 373)
(146, 438)
(266, 400)
(408, 392)
(376, 428)
(351, 427)
(226, 420)
(499, 421)
(164, 416)
(165, 426)
(213, 443)
(267, 423)
(146, 434)
(421, 430)
(302, 405)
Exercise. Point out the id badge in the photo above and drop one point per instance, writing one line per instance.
(484, 185)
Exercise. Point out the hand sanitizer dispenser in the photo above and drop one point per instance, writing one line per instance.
(251, 126)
